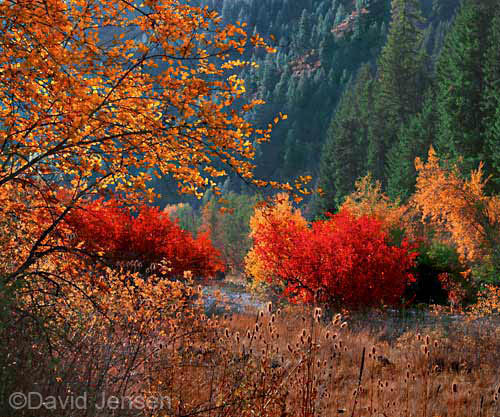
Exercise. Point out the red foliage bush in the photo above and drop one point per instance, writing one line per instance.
(345, 260)
(148, 238)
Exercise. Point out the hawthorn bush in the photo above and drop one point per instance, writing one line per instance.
(106, 229)
(344, 260)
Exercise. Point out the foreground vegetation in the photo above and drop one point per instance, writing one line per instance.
(293, 361)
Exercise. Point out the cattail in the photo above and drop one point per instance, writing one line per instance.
(289, 348)
(269, 307)
(424, 349)
(454, 388)
(304, 332)
(278, 312)
(249, 335)
(226, 331)
(374, 350)
(419, 337)
(427, 340)
(273, 317)
(327, 335)
(261, 314)
(343, 325)
(436, 344)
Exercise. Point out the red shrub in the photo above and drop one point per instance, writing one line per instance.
(343, 260)
(148, 238)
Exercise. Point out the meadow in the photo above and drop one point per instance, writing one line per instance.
(276, 360)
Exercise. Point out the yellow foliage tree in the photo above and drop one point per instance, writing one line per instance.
(274, 219)
(369, 200)
(97, 97)
(461, 208)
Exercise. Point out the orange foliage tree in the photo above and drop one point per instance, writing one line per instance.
(368, 200)
(461, 209)
(279, 219)
(97, 97)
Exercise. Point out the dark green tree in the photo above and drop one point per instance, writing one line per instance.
(400, 83)
(344, 152)
(460, 76)
(414, 139)
(491, 99)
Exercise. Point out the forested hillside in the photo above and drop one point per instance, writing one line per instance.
(417, 96)
(320, 47)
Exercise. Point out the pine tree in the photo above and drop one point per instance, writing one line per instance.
(491, 100)
(343, 156)
(401, 80)
(460, 70)
(304, 32)
(414, 139)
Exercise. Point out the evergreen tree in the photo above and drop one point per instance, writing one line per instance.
(401, 80)
(462, 116)
(414, 139)
(491, 100)
(344, 153)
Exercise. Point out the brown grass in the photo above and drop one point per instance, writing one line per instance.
(296, 363)
(291, 362)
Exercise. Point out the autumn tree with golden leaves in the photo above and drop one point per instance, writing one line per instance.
(99, 97)
(460, 209)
